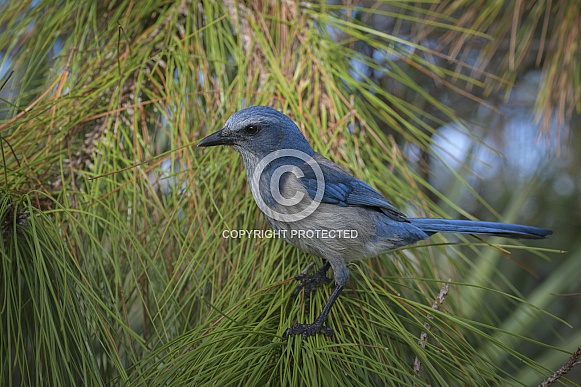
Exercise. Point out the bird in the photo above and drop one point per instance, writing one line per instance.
(316, 206)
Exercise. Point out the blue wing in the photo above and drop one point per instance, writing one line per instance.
(345, 190)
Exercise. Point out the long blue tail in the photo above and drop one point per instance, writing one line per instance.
(432, 226)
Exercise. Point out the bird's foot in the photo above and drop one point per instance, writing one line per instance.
(310, 282)
(307, 330)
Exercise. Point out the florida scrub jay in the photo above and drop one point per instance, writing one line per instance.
(297, 189)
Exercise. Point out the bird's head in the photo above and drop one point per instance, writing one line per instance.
(258, 131)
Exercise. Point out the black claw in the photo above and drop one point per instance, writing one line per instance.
(310, 282)
(307, 330)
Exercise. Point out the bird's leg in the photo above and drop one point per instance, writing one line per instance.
(310, 282)
(317, 326)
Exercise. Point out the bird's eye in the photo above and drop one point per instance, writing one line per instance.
(251, 129)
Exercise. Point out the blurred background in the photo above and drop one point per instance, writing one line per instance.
(111, 219)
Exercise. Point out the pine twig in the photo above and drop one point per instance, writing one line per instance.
(424, 335)
(574, 360)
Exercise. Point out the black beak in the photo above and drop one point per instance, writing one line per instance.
(217, 138)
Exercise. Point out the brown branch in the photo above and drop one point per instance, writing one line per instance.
(574, 360)
(424, 335)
